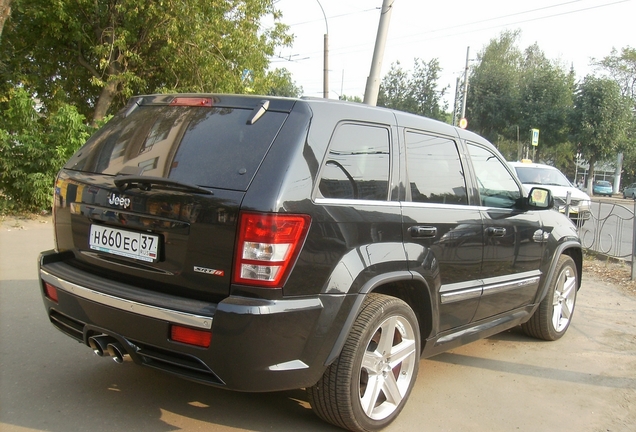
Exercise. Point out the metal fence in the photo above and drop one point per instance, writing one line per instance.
(611, 231)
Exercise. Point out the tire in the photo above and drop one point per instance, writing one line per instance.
(552, 319)
(367, 386)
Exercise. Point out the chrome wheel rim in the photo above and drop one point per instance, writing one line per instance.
(564, 296)
(387, 367)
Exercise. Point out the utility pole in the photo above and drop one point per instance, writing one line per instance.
(455, 119)
(373, 81)
(465, 84)
(325, 70)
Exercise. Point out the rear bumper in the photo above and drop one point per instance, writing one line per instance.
(257, 344)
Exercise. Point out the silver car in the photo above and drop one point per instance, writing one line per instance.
(630, 191)
(534, 174)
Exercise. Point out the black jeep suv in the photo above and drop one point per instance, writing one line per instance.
(261, 244)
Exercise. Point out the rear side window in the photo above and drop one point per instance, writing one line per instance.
(435, 170)
(357, 165)
(213, 147)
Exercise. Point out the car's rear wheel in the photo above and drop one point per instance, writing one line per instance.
(552, 319)
(367, 386)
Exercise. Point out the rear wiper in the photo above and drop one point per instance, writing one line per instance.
(146, 183)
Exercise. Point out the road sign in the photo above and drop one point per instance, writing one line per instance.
(535, 137)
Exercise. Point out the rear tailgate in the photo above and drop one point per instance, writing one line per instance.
(152, 199)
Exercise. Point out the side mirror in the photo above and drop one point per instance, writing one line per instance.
(540, 199)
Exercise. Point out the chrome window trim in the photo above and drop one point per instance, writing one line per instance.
(175, 317)
(351, 202)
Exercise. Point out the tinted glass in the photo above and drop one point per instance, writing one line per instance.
(435, 170)
(212, 147)
(357, 166)
(497, 188)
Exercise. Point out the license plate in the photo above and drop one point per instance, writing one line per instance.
(131, 244)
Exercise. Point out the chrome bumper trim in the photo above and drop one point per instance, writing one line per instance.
(176, 317)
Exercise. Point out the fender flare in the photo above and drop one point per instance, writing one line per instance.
(367, 288)
(552, 270)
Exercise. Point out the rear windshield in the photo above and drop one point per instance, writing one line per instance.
(212, 147)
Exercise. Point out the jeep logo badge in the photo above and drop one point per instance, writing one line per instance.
(114, 199)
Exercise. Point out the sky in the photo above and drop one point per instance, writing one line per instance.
(570, 32)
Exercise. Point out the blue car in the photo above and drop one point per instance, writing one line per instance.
(602, 187)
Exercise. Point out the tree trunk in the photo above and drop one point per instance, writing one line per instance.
(5, 11)
(105, 99)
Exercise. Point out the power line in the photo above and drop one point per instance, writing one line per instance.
(351, 48)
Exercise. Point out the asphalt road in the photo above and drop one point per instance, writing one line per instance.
(584, 382)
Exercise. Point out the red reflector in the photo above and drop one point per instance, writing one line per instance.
(192, 101)
(190, 336)
(50, 291)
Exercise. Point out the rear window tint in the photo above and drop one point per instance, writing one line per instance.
(213, 147)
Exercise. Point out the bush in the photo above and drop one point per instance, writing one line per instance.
(33, 148)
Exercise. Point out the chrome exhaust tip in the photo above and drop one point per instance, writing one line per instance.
(99, 344)
(116, 351)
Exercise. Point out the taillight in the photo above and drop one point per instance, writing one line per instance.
(268, 245)
(190, 336)
(50, 291)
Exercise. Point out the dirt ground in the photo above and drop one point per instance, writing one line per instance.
(585, 382)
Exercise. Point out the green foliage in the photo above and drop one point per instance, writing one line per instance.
(283, 84)
(622, 69)
(600, 120)
(494, 93)
(416, 93)
(96, 54)
(601, 117)
(513, 91)
(33, 148)
(357, 99)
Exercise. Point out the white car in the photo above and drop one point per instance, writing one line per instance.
(534, 174)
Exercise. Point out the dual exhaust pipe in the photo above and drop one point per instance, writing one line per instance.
(107, 346)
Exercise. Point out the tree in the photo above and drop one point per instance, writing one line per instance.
(600, 120)
(5, 11)
(622, 69)
(416, 93)
(356, 99)
(512, 92)
(283, 84)
(546, 97)
(96, 54)
(33, 148)
(494, 94)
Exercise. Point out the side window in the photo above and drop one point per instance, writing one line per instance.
(357, 165)
(497, 188)
(435, 170)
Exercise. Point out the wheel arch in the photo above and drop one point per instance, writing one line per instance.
(574, 251)
(408, 287)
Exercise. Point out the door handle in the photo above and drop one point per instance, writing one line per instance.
(496, 231)
(423, 231)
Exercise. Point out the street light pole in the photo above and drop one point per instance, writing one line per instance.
(325, 71)
(373, 81)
